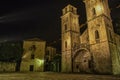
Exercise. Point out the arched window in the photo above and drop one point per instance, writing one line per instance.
(110, 34)
(97, 34)
(65, 10)
(93, 11)
(97, 37)
(65, 27)
(72, 9)
(65, 44)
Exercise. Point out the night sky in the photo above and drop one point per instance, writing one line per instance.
(22, 19)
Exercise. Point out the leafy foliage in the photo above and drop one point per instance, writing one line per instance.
(10, 51)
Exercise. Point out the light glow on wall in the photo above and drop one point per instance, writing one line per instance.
(39, 62)
(27, 54)
(68, 41)
(99, 8)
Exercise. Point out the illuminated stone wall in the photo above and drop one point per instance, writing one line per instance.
(98, 17)
(101, 37)
(33, 56)
(104, 44)
(70, 35)
(7, 67)
(84, 38)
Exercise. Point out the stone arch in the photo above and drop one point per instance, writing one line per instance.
(81, 60)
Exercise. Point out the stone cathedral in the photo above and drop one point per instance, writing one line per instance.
(97, 49)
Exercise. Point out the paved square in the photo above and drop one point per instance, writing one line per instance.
(54, 76)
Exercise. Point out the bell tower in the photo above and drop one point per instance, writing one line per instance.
(70, 35)
(101, 35)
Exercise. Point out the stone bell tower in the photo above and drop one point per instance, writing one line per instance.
(70, 35)
(101, 35)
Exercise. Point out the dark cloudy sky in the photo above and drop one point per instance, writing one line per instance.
(21, 19)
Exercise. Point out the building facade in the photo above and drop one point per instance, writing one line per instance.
(33, 55)
(50, 54)
(52, 60)
(37, 56)
(97, 48)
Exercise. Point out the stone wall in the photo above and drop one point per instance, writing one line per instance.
(101, 57)
(69, 34)
(7, 67)
(84, 38)
(38, 65)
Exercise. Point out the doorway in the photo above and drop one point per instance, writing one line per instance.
(81, 61)
(31, 68)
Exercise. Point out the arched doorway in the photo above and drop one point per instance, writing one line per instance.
(82, 61)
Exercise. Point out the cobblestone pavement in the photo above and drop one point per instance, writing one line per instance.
(54, 76)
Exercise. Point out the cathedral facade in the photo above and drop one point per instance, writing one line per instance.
(97, 49)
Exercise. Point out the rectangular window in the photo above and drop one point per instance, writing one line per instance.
(32, 56)
(33, 47)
